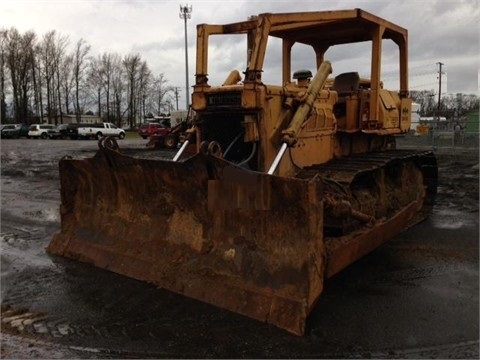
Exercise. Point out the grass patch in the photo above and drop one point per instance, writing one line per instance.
(132, 135)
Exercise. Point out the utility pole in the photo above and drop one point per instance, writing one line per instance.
(439, 87)
(185, 14)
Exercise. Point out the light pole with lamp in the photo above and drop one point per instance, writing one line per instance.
(185, 14)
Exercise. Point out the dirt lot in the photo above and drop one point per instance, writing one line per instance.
(415, 297)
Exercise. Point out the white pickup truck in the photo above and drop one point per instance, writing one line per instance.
(97, 131)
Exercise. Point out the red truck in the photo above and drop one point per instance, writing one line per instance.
(159, 135)
(148, 129)
(168, 137)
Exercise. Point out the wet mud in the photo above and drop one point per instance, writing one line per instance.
(414, 297)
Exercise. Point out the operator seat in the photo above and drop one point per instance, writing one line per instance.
(346, 83)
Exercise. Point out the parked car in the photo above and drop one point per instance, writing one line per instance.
(58, 132)
(10, 131)
(40, 130)
(14, 131)
(71, 130)
(63, 130)
(99, 130)
(24, 131)
(148, 129)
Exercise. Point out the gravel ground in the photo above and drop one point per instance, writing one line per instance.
(414, 297)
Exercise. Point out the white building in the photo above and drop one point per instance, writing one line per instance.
(415, 119)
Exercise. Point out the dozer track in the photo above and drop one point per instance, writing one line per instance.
(389, 179)
(348, 170)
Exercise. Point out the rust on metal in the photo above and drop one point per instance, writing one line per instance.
(244, 241)
(224, 236)
(275, 187)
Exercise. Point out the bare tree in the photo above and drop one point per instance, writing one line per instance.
(37, 78)
(67, 81)
(3, 75)
(451, 105)
(19, 61)
(95, 80)
(79, 66)
(131, 64)
(118, 87)
(47, 51)
(59, 55)
(159, 92)
(107, 66)
(37, 84)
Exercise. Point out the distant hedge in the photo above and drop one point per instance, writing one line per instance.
(472, 122)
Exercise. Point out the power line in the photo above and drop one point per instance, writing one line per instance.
(419, 70)
(430, 84)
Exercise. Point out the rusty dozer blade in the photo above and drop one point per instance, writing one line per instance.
(245, 241)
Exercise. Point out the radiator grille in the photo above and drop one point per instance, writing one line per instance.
(224, 99)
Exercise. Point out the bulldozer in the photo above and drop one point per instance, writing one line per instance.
(275, 189)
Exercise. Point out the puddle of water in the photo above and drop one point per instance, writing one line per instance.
(450, 219)
(50, 214)
(10, 157)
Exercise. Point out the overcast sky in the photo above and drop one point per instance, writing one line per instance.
(445, 31)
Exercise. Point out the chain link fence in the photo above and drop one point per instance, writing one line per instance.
(442, 141)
